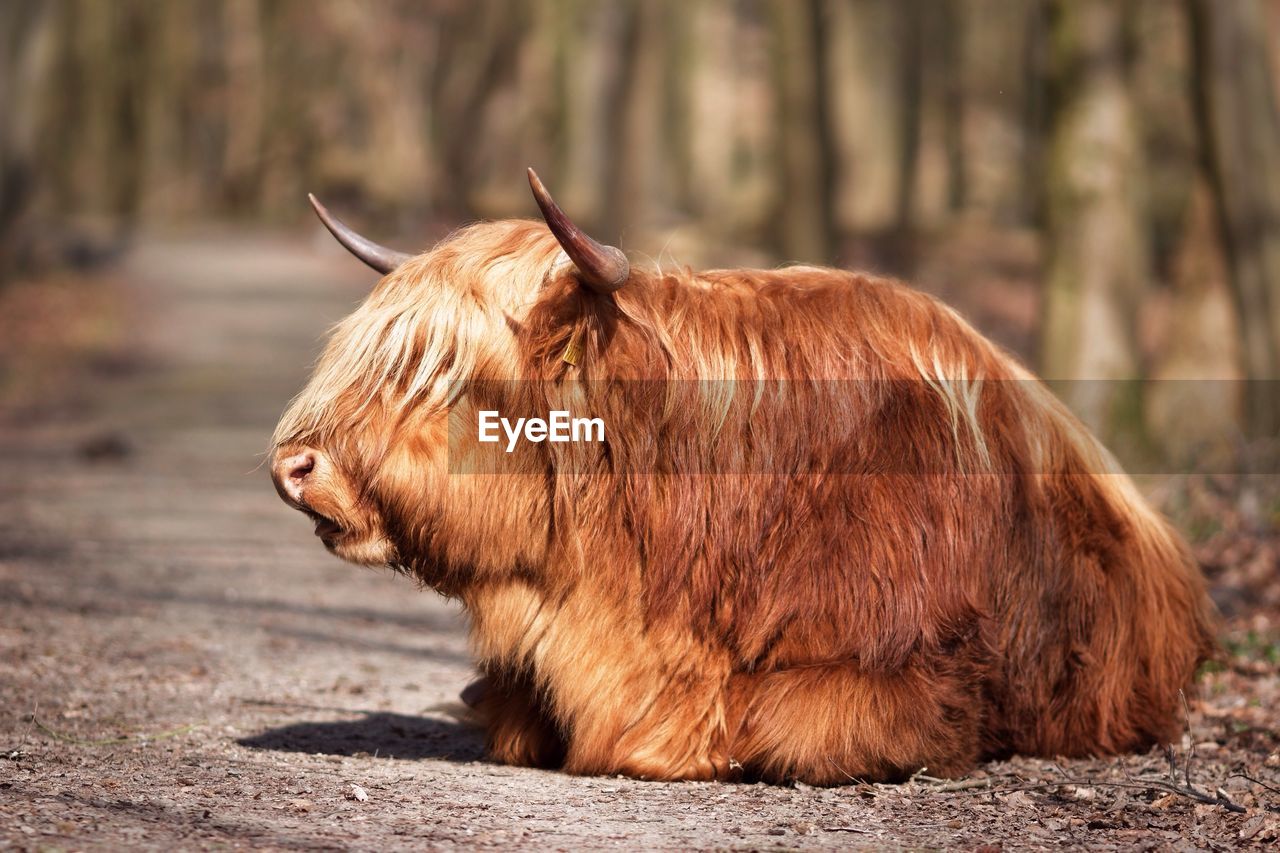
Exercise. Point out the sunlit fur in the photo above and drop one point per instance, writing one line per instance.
(882, 546)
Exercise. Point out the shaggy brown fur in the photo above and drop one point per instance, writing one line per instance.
(833, 534)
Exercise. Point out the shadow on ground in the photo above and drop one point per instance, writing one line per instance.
(379, 734)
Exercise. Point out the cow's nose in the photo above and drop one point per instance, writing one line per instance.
(291, 473)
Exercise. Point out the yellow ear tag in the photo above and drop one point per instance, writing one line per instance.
(572, 351)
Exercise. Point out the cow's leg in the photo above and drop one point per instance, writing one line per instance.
(828, 725)
(823, 725)
(518, 731)
(673, 730)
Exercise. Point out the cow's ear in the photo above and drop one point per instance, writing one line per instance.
(602, 268)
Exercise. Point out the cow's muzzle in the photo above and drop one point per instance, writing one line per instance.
(292, 472)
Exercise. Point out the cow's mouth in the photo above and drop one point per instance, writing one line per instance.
(326, 528)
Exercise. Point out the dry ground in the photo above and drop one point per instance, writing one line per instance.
(181, 665)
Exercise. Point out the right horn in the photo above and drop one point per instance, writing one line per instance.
(602, 268)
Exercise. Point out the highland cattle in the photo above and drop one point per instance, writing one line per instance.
(832, 532)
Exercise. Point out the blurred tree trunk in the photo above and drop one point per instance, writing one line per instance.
(1033, 64)
(952, 21)
(909, 27)
(93, 124)
(867, 109)
(166, 187)
(244, 62)
(1002, 47)
(595, 57)
(519, 119)
(1240, 137)
(471, 68)
(1097, 253)
(637, 180)
(1192, 408)
(933, 156)
(24, 48)
(709, 138)
(803, 220)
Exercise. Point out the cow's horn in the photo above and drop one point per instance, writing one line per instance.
(602, 268)
(381, 258)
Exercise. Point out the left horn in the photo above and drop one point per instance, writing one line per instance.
(602, 268)
(381, 258)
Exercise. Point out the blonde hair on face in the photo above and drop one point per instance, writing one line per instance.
(428, 325)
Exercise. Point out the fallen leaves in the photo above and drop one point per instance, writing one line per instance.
(1019, 800)
(299, 805)
(1260, 828)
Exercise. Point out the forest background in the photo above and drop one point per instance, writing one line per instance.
(1095, 184)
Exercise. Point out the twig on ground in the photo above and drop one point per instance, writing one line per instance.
(945, 786)
(898, 828)
(113, 741)
(860, 783)
(1172, 758)
(17, 752)
(301, 706)
(1220, 798)
(919, 774)
(1191, 739)
(1273, 789)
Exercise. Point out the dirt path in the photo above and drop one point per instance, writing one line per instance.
(181, 665)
